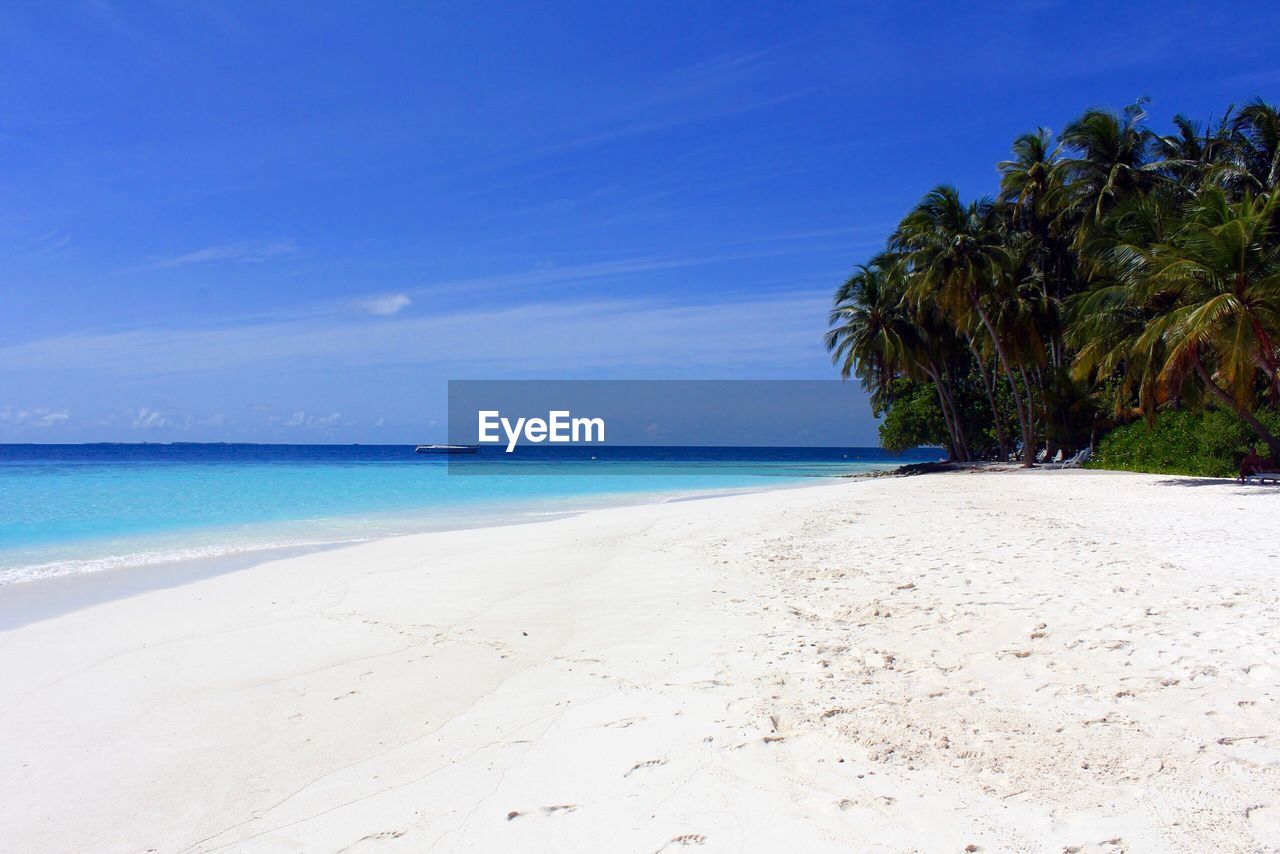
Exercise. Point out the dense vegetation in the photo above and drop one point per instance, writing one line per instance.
(1119, 275)
(1205, 443)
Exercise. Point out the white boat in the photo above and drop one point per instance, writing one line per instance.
(446, 449)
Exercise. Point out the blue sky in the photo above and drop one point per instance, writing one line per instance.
(294, 222)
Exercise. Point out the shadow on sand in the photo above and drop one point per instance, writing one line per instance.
(1217, 481)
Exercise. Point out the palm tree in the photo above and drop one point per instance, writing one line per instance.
(1217, 279)
(1029, 181)
(1197, 156)
(1109, 162)
(1025, 317)
(874, 337)
(1031, 186)
(956, 253)
(1257, 126)
(871, 336)
(1105, 322)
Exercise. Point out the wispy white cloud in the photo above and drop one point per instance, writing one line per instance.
(384, 305)
(47, 242)
(144, 418)
(717, 87)
(150, 419)
(302, 418)
(35, 417)
(252, 251)
(549, 276)
(570, 337)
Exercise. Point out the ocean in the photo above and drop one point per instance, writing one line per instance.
(68, 509)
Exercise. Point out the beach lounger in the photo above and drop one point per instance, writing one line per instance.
(1080, 457)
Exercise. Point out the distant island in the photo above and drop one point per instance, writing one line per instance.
(1121, 291)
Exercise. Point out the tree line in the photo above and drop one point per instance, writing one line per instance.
(1119, 272)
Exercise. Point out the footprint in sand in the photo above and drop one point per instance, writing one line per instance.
(647, 764)
(552, 810)
(684, 840)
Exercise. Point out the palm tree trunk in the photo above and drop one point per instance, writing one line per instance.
(954, 452)
(955, 415)
(1056, 337)
(1028, 451)
(989, 388)
(1265, 356)
(1273, 378)
(1245, 415)
(1031, 409)
(957, 451)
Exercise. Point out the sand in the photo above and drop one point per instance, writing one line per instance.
(1039, 661)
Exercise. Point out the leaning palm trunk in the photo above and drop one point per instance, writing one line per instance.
(1273, 377)
(965, 452)
(1265, 357)
(1028, 448)
(989, 387)
(957, 449)
(1243, 411)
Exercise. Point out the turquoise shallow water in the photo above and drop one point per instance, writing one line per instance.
(81, 508)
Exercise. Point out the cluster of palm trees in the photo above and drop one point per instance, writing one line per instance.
(1119, 271)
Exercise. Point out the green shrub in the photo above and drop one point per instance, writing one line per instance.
(1205, 444)
(914, 418)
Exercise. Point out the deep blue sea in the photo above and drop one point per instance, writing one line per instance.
(83, 508)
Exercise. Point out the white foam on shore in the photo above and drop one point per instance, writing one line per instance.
(56, 569)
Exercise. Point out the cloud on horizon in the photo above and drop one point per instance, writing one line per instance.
(149, 419)
(302, 419)
(39, 416)
(353, 377)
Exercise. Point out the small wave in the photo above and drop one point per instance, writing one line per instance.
(54, 569)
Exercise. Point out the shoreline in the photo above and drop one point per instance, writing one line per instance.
(1015, 660)
(42, 597)
(78, 511)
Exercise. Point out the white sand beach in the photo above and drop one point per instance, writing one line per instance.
(1038, 661)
